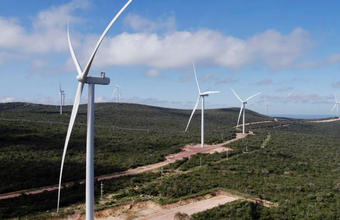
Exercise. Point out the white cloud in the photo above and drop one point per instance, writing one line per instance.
(336, 85)
(305, 98)
(149, 47)
(284, 89)
(178, 49)
(280, 51)
(6, 99)
(7, 56)
(218, 80)
(138, 23)
(47, 33)
(297, 98)
(333, 59)
(153, 73)
(264, 82)
(38, 65)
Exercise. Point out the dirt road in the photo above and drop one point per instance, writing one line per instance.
(152, 211)
(255, 123)
(325, 121)
(187, 151)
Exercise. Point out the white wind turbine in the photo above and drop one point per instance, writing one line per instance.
(201, 95)
(116, 91)
(336, 105)
(91, 81)
(243, 108)
(61, 98)
(265, 100)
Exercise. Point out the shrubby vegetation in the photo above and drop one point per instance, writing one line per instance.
(127, 136)
(297, 171)
(47, 201)
(291, 163)
(235, 210)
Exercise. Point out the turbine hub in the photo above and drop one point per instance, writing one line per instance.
(80, 79)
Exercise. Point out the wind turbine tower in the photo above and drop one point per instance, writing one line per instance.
(64, 96)
(201, 96)
(61, 98)
(266, 105)
(243, 110)
(84, 78)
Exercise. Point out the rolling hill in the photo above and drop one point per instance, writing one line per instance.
(127, 135)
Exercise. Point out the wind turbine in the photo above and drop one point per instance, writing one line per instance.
(83, 78)
(243, 108)
(61, 99)
(116, 91)
(201, 96)
(336, 105)
(266, 105)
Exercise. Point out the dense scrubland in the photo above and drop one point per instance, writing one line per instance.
(127, 135)
(291, 163)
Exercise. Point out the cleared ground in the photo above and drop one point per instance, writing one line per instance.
(190, 208)
(156, 212)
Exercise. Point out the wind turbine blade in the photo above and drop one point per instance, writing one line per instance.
(236, 95)
(334, 107)
(60, 87)
(74, 57)
(239, 116)
(252, 96)
(336, 100)
(114, 91)
(89, 63)
(69, 131)
(193, 111)
(198, 86)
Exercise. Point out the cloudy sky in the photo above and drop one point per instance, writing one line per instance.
(288, 50)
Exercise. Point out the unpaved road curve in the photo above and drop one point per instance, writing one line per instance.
(187, 151)
(325, 121)
(255, 123)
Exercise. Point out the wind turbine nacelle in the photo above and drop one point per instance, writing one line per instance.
(245, 102)
(97, 80)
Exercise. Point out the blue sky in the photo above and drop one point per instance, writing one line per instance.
(288, 50)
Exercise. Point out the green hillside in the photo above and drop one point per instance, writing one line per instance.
(291, 163)
(127, 135)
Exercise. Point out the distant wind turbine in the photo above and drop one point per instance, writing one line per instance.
(117, 93)
(243, 108)
(336, 105)
(84, 78)
(201, 96)
(61, 98)
(266, 105)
